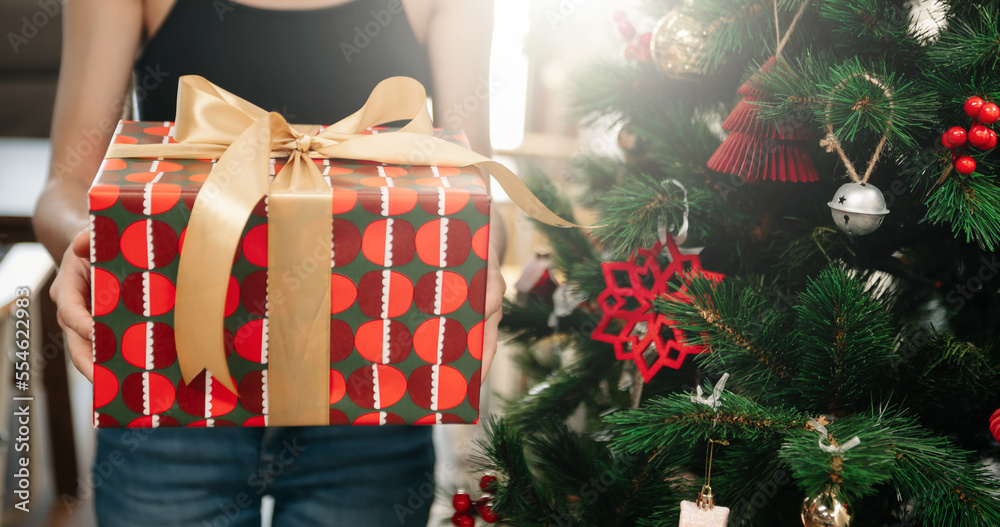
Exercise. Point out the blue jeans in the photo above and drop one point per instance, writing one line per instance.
(336, 475)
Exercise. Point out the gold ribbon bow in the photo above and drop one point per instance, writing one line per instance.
(212, 123)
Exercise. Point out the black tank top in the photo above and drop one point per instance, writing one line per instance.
(313, 66)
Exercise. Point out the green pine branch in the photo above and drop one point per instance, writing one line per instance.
(527, 323)
(634, 211)
(971, 205)
(865, 100)
(792, 86)
(677, 421)
(843, 338)
(614, 88)
(874, 27)
(743, 335)
(590, 379)
(737, 27)
(520, 498)
(970, 41)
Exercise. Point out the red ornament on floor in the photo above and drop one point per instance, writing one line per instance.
(628, 300)
(485, 510)
(462, 519)
(461, 501)
(488, 483)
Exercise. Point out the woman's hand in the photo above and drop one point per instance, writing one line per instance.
(100, 42)
(71, 291)
(496, 287)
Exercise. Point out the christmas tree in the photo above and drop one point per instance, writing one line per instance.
(787, 305)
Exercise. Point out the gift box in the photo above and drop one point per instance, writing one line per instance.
(406, 247)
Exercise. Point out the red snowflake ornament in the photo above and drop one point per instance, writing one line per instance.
(628, 300)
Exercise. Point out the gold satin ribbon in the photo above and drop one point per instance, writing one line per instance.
(212, 123)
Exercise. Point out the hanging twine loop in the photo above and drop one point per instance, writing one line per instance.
(832, 144)
(782, 40)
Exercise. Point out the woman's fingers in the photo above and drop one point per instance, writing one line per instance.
(70, 291)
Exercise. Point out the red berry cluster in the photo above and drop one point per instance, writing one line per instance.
(466, 508)
(634, 51)
(979, 134)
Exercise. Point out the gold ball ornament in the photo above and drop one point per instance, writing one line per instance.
(825, 510)
(678, 44)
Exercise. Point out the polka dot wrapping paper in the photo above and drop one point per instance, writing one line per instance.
(408, 284)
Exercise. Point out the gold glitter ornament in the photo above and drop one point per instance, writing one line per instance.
(678, 45)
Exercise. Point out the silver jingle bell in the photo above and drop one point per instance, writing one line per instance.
(825, 510)
(858, 208)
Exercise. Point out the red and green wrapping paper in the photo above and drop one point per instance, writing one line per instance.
(408, 281)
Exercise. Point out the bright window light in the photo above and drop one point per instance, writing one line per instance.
(508, 74)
